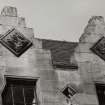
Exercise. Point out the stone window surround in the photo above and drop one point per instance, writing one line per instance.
(21, 77)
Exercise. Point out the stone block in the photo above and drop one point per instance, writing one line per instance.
(49, 86)
(51, 103)
(43, 59)
(98, 60)
(91, 38)
(68, 77)
(100, 29)
(98, 72)
(49, 98)
(85, 66)
(2, 62)
(2, 82)
(30, 59)
(84, 57)
(0, 100)
(27, 32)
(21, 72)
(12, 21)
(22, 61)
(47, 75)
(42, 51)
(37, 43)
(86, 73)
(84, 48)
(95, 29)
(86, 99)
(89, 88)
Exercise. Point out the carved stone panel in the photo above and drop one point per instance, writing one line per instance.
(15, 42)
(68, 91)
(99, 48)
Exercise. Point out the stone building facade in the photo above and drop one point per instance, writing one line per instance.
(50, 72)
(47, 64)
(91, 60)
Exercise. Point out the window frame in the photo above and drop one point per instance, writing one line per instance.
(23, 78)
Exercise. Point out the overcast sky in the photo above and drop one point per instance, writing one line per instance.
(57, 19)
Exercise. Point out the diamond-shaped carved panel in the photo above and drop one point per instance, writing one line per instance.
(99, 48)
(68, 91)
(15, 42)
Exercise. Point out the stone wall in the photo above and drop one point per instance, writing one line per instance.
(91, 66)
(34, 63)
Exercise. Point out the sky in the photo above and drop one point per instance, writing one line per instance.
(57, 19)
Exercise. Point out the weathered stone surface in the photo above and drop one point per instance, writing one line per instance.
(12, 21)
(92, 38)
(84, 57)
(48, 74)
(86, 99)
(27, 32)
(85, 75)
(34, 63)
(91, 66)
(84, 48)
(48, 98)
(37, 43)
(96, 26)
(89, 88)
(71, 77)
(49, 86)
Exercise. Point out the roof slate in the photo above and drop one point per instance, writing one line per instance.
(61, 52)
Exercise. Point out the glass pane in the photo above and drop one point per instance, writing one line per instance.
(7, 96)
(19, 104)
(32, 104)
(29, 95)
(18, 94)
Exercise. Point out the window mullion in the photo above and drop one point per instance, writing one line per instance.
(11, 86)
(35, 95)
(24, 97)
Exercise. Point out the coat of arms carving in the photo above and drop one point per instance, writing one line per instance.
(15, 42)
(69, 91)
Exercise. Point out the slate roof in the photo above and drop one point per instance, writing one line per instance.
(61, 52)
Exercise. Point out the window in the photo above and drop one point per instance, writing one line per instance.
(100, 90)
(19, 92)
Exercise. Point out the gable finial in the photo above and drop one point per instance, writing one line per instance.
(9, 11)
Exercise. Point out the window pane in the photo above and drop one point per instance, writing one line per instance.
(7, 96)
(31, 104)
(29, 95)
(19, 104)
(18, 94)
